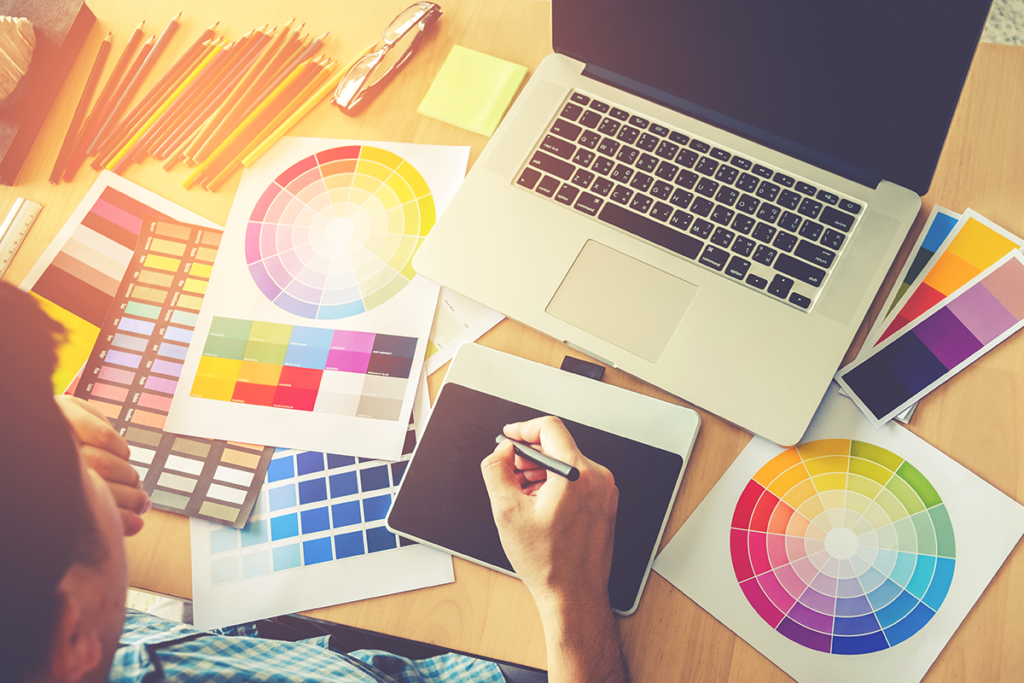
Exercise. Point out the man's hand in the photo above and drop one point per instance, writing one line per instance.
(559, 536)
(106, 452)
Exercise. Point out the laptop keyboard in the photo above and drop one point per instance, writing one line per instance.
(750, 222)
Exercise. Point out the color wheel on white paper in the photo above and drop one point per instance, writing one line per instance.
(334, 234)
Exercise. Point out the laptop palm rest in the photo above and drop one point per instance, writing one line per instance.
(621, 300)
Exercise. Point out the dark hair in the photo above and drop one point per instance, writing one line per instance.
(46, 523)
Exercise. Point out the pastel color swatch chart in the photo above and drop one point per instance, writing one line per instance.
(975, 245)
(842, 546)
(940, 343)
(339, 372)
(134, 369)
(334, 234)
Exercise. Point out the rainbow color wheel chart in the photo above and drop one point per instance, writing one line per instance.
(334, 234)
(843, 546)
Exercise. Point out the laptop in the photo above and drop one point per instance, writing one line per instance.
(708, 194)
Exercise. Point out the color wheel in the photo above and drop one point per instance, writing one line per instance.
(842, 546)
(334, 235)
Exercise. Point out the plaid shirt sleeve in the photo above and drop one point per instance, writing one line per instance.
(154, 649)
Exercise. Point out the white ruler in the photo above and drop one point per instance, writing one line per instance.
(14, 229)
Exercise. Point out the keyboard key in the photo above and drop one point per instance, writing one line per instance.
(648, 142)
(702, 229)
(659, 130)
(727, 196)
(701, 147)
(720, 154)
(622, 173)
(599, 106)
(747, 182)
(579, 98)
(602, 186)
(833, 239)
(588, 203)
(819, 256)
(756, 281)
(566, 194)
(837, 219)
(763, 171)
(564, 129)
(678, 137)
(722, 237)
(647, 162)
(667, 150)
(743, 224)
(583, 158)
(558, 146)
(789, 221)
(783, 179)
(628, 134)
(681, 198)
(652, 231)
(768, 213)
(789, 199)
(603, 165)
(780, 286)
(847, 205)
(667, 170)
(571, 111)
(638, 121)
(707, 187)
(590, 119)
(641, 203)
(714, 257)
(767, 191)
(687, 179)
(804, 188)
(608, 147)
(740, 162)
(661, 189)
(747, 204)
(641, 181)
(548, 186)
(764, 233)
(529, 178)
(785, 241)
(619, 114)
(743, 246)
(590, 139)
(552, 165)
(727, 174)
(804, 272)
(661, 211)
(701, 206)
(799, 299)
(583, 178)
(764, 255)
(622, 194)
(707, 166)
(811, 230)
(627, 154)
(828, 197)
(722, 215)
(687, 157)
(737, 267)
(609, 126)
(809, 208)
(681, 219)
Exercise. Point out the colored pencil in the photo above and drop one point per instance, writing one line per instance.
(102, 102)
(83, 104)
(306, 107)
(122, 88)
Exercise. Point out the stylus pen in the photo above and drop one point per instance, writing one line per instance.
(545, 461)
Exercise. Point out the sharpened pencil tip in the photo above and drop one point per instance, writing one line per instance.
(177, 17)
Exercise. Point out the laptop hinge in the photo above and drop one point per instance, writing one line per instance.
(736, 126)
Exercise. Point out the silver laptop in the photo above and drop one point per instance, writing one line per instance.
(708, 194)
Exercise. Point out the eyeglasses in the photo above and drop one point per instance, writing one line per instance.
(401, 38)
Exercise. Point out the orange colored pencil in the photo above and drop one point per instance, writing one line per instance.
(122, 89)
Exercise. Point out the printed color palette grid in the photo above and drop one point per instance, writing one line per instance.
(134, 369)
(842, 546)
(340, 372)
(314, 508)
(334, 234)
(910, 364)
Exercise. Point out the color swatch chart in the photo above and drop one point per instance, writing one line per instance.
(334, 234)
(937, 345)
(134, 369)
(339, 372)
(842, 546)
(314, 508)
(936, 230)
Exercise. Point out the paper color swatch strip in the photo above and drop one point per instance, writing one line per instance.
(842, 546)
(134, 369)
(940, 342)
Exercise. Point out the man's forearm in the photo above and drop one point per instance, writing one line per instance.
(583, 644)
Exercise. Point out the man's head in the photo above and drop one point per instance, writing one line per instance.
(63, 577)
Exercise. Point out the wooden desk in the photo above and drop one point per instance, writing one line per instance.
(975, 418)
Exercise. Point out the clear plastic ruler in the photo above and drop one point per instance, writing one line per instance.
(14, 229)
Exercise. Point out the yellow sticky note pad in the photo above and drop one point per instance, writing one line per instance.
(472, 90)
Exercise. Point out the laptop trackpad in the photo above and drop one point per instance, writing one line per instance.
(623, 301)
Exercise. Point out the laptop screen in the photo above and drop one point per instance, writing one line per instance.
(872, 83)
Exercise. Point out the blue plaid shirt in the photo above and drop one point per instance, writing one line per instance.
(154, 649)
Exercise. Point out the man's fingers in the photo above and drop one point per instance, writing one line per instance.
(499, 474)
(550, 433)
(111, 468)
(131, 523)
(91, 427)
(130, 498)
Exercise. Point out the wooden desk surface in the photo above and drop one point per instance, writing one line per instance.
(975, 418)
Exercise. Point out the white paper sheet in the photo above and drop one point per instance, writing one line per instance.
(459, 320)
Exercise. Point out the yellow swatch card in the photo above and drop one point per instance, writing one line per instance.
(472, 90)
